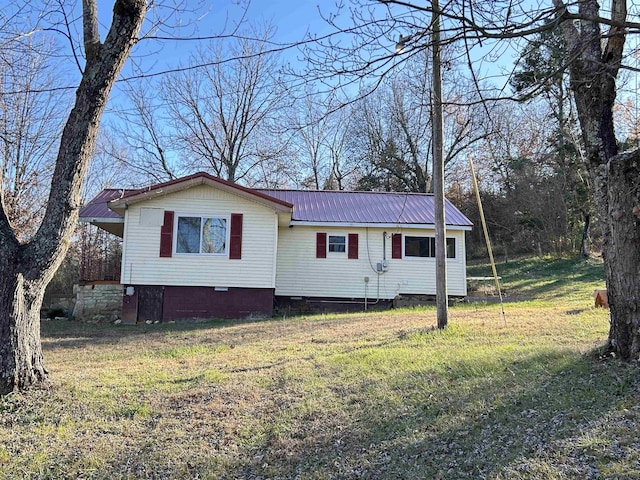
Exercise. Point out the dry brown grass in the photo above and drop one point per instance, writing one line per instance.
(377, 395)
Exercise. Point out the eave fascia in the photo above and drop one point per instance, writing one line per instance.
(121, 204)
(421, 226)
(100, 220)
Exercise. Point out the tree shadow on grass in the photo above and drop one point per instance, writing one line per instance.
(488, 416)
(490, 428)
(72, 334)
(528, 276)
(556, 287)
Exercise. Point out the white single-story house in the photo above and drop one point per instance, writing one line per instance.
(203, 247)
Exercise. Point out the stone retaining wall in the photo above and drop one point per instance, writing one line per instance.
(98, 303)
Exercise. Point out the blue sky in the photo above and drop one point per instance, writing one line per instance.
(291, 19)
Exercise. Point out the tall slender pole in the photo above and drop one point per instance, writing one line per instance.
(438, 173)
(474, 180)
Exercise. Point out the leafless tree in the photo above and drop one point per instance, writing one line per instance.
(30, 120)
(311, 124)
(596, 47)
(140, 139)
(113, 166)
(222, 114)
(345, 168)
(394, 126)
(28, 266)
(321, 142)
(520, 181)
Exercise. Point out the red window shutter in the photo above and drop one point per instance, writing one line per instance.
(353, 246)
(235, 238)
(396, 245)
(166, 235)
(321, 245)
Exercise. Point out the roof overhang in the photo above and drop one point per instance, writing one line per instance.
(421, 226)
(111, 225)
(120, 205)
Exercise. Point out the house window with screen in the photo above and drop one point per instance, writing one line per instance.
(201, 235)
(425, 247)
(451, 247)
(337, 243)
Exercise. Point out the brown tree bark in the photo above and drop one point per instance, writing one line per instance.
(21, 357)
(622, 253)
(584, 242)
(596, 59)
(27, 268)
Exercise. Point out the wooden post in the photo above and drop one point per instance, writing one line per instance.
(438, 174)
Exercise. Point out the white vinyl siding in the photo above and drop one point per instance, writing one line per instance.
(142, 265)
(300, 273)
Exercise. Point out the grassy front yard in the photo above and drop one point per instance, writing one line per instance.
(376, 395)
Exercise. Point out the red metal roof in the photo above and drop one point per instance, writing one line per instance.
(366, 207)
(97, 208)
(324, 206)
(187, 181)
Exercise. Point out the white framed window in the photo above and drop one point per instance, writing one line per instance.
(202, 235)
(425, 247)
(337, 243)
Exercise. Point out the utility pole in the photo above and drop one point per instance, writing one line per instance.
(442, 301)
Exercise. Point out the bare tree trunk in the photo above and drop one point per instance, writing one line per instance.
(442, 299)
(596, 59)
(28, 268)
(584, 246)
(21, 360)
(622, 254)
